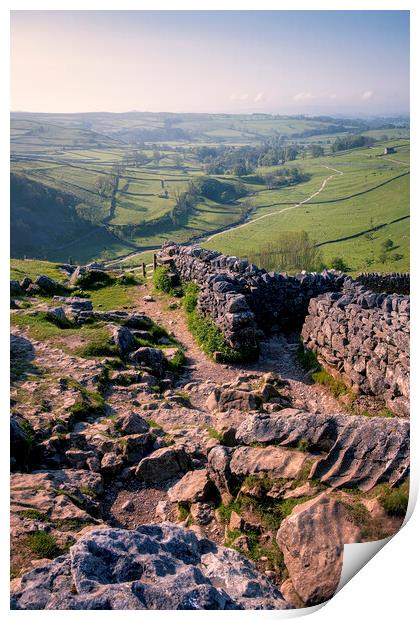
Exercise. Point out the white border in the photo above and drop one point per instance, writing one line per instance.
(387, 586)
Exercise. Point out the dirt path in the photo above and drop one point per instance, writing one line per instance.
(199, 367)
(278, 354)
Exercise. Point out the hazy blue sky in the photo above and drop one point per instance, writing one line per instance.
(215, 61)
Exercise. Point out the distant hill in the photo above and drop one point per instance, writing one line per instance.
(44, 221)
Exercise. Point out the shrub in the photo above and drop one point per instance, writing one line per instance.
(210, 338)
(339, 264)
(161, 279)
(93, 279)
(127, 279)
(307, 358)
(43, 545)
(336, 387)
(190, 297)
(395, 501)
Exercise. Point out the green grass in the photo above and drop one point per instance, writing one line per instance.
(272, 512)
(307, 358)
(336, 387)
(43, 545)
(20, 268)
(326, 221)
(33, 514)
(214, 434)
(96, 336)
(210, 338)
(395, 500)
(225, 511)
(68, 158)
(177, 362)
(161, 279)
(90, 403)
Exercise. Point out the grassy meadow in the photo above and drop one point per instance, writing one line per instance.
(63, 159)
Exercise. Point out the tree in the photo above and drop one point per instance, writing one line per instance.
(240, 169)
(177, 160)
(270, 181)
(388, 244)
(156, 156)
(339, 264)
(316, 150)
(288, 251)
(103, 186)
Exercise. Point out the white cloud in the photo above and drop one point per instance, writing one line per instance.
(367, 94)
(333, 96)
(259, 97)
(303, 96)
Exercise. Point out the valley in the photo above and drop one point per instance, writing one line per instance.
(114, 187)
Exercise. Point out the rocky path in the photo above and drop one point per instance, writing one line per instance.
(199, 367)
(278, 354)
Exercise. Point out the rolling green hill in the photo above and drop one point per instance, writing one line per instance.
(102, 186)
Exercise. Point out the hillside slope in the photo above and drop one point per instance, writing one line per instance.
(45, 222)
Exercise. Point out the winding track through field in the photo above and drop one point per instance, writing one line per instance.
(295, 206)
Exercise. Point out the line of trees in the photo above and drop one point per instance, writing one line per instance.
(344, 143)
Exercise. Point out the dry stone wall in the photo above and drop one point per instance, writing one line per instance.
(243, 299)
(362, 334)
(386, 282)
(365, 336)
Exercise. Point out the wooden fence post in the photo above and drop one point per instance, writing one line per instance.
(144, 269)
(154, 262)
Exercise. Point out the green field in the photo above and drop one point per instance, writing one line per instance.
(371, 191)
(59, 163)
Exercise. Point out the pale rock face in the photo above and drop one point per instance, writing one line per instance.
(122, 338)
(195, 486)
(274, 461)
(311, 539)
(379, 447)
(131, 424)
(153, 567)
(218, 466)
(163, 464)
(151, 357)
(227, 399)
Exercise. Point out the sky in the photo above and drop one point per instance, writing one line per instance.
(283, 62)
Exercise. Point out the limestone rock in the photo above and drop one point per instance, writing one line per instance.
(274, 461)
(151, 357)
(122, 338)
(48, 285)
(195, 486)
(111, 463)
(15, 288)
(153, 567)
(361, 451)
(311, 539)
(218, 466)
(287, 428)
(227, 399)
(131, 424)
(163, 464)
